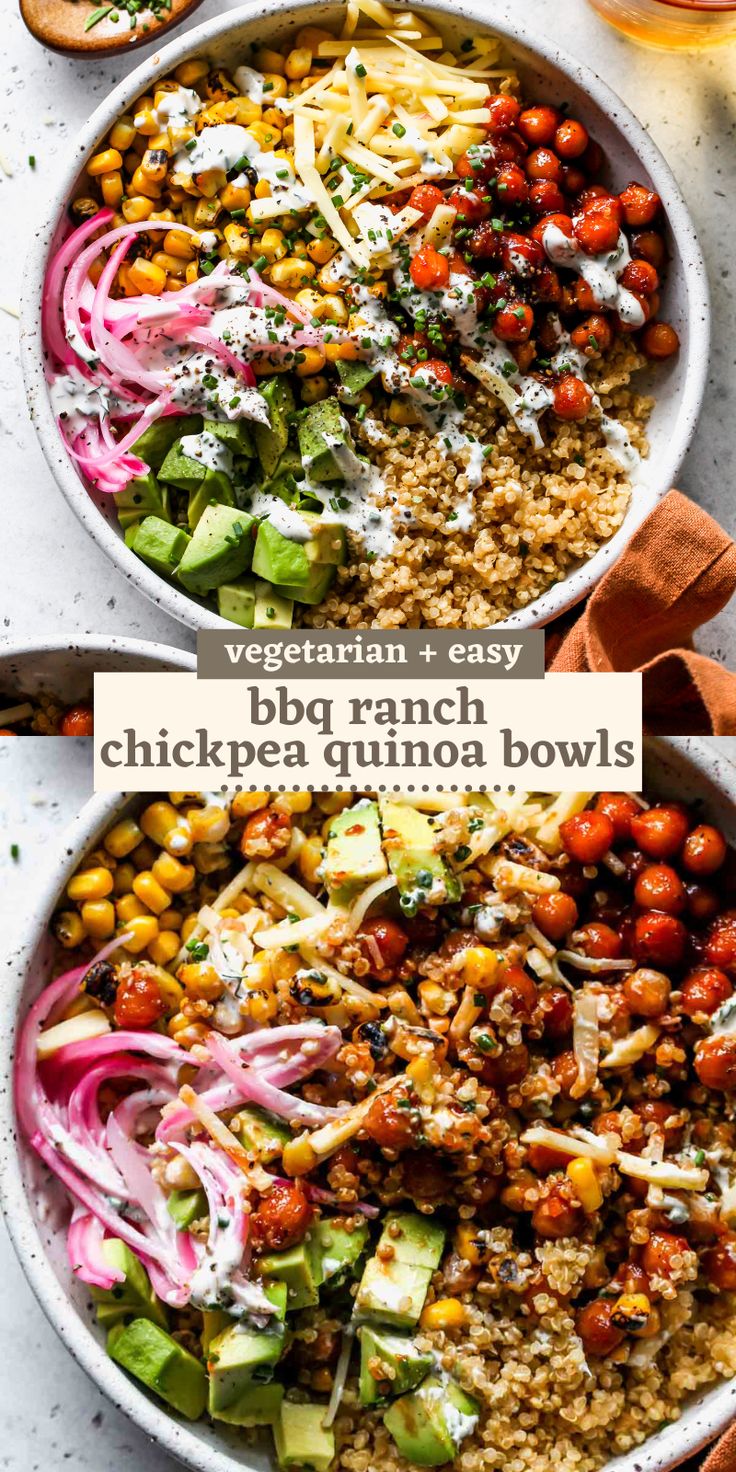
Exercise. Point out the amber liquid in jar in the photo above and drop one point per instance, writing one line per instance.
(672, 24)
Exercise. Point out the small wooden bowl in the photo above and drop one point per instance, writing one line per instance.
(64, 25)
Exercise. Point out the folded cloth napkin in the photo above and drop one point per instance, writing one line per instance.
(722, 1457)
(677, 572)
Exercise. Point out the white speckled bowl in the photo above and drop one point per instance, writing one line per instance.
(549, 73)
(683, 767)
(66, 670)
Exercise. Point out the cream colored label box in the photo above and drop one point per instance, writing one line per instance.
(561, 733)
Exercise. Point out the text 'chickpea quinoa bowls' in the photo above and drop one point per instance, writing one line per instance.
(402, 1128)
(349, 330)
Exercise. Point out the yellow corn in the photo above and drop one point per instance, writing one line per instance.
(142, 929)
(69, 929)
(98, 918)
(154, 164)
(142, 183)
(262, 1008)
(163, 949)
(314, 389)
(245, 803)
(290, 272)
(326, 281)
(176, 283)
(313, 361)
(122, 135)
(148, 890)
(170, 920)
(191, 71)
(158, 822)
(400, 411)
(269, 61)
(129, 907)
(298, 63)
(322, 251)
(235, 197)
(337, 352)
(112, 188)
(92, 884)
(272, 245)
(105, 163)
(287, 135)
(145, 118)
(192, 272)
(581, 1172)
(238, 241)
(136, 207)
(173, 875)
(466, 1243)
(435, 998)
(189, 925)
(149, 279)
(444, 1313)
(201, 980)
(480, 965)
(274, 118)
(169, 264)
(123, 878)
(631, 1311)
(266, 137)
(312, 36)
(205, 213)
(123, 838)
(176, 243)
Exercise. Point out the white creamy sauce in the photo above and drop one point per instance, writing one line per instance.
(600, 272)
(75, 400)
(176, 109)
(281, 516)
(464, 517)
(249, 83)
(209, 450)
(227, 399)
(723, 1021)
(571, 359)
(371, 524)
(225, 145)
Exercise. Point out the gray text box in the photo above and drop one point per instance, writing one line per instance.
(382, 654)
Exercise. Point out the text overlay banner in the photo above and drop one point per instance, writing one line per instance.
(383, 654)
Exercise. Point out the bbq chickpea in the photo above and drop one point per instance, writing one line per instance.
(565, 1071)
(702, 903)
(512, 185)
(538, 125)
(715, 1062)
(571, 398)
(593, 1323)
(587, 836)
(593, 337)
(514, 323)
(720, 945)
(599, 941)
(661, 1253)
(658, 341)
(647, 245)
(640, 205)
(660, 831)
(597, 226)
(555, 914)
(704, 850)
(571, 139)
(542, 163)
(659, 887)
(556, 1007)
(283, 1216)
(554, 1215)
(719, 1263)
(620, 808)
(658, 939)
(503, 112)
(647, 992)
(266, 833)
(704, 990)
(546, 198)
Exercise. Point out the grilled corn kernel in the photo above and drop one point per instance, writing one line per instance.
(145, 119)
(272, 245)
(169, 264)
(261, 191)
(238, 241)
(445, 1313)
(290, 272)
(98, 918)
(245, 803)
(173, 875)
(298, 63)
(136, 207)
(480, 965)
(327, 281)
(191, 71)
(143, 856)
(129, 907)
(631, 1312)
(123, 838)
(159, 820)
(192, 272)
(92, 884)
(467, 1245)
(581, 1172)
(112, 188)
(322, 251)
(188, 928)
(69, 929)
(154, 164)
(271, 63)
(309, 859)
(170, 920)
(150, 892)
(332, 309)
(84, 208)
(314, 389)
(163, 949)
(313, 361)
(262, 1008)
(205, 213)
(287, 135)
(141, 183)
(274, 118)
(147, 277)
(342, 352)
(123, 878)
(176, 283)
(435, 998)
(400, 411)
(122, 135)
(298, 1156)
(105, 163)
(200, 980)
(235, 197)
(141, 930)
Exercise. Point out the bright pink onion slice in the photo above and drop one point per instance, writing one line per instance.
(84, 1240)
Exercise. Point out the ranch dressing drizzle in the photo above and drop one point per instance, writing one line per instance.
(209, 450)
(249, 83)
(601, 273)
(614, 433)
(175, 109)
(224, 145)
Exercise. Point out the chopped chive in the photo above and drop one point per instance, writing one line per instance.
(96, 16)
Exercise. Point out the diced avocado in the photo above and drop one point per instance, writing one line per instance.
(242, 1354)
(354, 857)
(299, 1268)
(159, 544)
(237, 602)
(339, 1250)
(214, 1320)
(187, 1207)
(271, 610)
(392, 1292)
(328, 542)
(154, 444)
(221, 548)
(142, 497)
(162, 1364)
(284, 480)
(390, 1364)
(320, 427)
(257, 1405)
(181, 470)
(421, 873)
(235, 433)
(354, 377)
(414, 1238)
(429, 1424)
(271, 438)
(300, 1438)
(134, 1296)
(215, 489)
(277, 558)
(318, 584)
(262, 1134)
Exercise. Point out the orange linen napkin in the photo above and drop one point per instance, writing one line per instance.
(677, 572)
(723, 1456)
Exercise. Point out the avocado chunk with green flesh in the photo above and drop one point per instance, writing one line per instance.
(271, 439)
(143, 496)
(300, 1438)
(257, 1405)
(390, 1364)
(318, 584)
(339, 1250)
(284, 480)
(221, 548)
(277, 558)
(186, 1207)
(413, 1238)
(320, 427)
(215, 489)
(153, 1357)
(181, 470)
(271, 610)
(154, 444)
(214, 1320)
(262, 1134)
(421, 873)
(241, 1354)
(354, 856)
(392, 1292)
(299, 1268)
(134, 1296)
(354, 377)
(328, 542)
(430, 1422)
(237, 602)
(159, 544)
(235, 433)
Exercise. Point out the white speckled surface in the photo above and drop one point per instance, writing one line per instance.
(687, 103)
